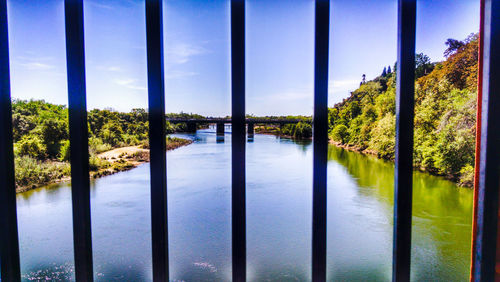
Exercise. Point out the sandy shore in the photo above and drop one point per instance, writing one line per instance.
(113, 161)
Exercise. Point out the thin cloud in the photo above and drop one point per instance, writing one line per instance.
(110, 68)
(34, 63)
(129, 83)
(100, 5)
(37, 66)
(179, 74)
(181, 53)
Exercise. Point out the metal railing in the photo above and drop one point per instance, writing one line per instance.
(485, 250)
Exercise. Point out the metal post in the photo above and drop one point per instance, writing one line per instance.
(9, 241)
(157, 139)
(320, 139)
(405, 96)
(238, 201)
(489, 161)
(478, 135)
(78, 137)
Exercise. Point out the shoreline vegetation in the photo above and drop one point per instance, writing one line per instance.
(445, 114)
(301, 130)
(42, 173)
(41, 145)
(444, 134)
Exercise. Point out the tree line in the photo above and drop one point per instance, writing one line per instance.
(445, 113)
(41, 145)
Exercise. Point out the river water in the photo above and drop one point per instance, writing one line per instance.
(279, 211)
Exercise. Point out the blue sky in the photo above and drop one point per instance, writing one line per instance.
(279, 50)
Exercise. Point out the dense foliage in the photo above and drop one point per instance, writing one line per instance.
(300, 130)
(445, 113)
(41, 144)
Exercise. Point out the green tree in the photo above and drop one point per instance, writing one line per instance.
(112, 133)
(423, 65)
(31, 146)
(53, 131)
(340, 133)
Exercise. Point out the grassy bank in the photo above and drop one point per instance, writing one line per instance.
(32, 173)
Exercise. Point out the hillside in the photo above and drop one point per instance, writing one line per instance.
(445, 114)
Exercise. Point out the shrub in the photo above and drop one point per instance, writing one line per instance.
(383, 137)
(32, 172)
(302, 130)
(97, 146)
(96, 163)
(340, 133)
(467, 176)
(64, 153)
(31, 146)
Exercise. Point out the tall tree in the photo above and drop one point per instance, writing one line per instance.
(384, 72)
(363, 79)
(453, 46)
(423, 65)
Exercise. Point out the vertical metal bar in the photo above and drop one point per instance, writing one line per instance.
(320, 139)
(478, 135)
(489, 164)
(9, 242)
(405, 96)
(78, 137)
(157, 139)
(238, 201)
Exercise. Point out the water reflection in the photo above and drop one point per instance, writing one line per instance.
(442, 215)
(279, 194)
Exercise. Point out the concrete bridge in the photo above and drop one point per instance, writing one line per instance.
(192, 124)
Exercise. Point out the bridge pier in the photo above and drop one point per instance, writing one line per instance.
(250, 130)
(220, 129)
(191, 127)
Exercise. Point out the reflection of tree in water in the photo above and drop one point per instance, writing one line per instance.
(303, 144)
(442, 213)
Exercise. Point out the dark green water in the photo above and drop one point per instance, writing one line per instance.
(279, 211)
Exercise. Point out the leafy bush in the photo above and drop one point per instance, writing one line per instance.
(32, 172)
(97, 146)
(31, 146)
(64, 154)
(467, 176)
(96, 163)
(340, 133)
(302, 130)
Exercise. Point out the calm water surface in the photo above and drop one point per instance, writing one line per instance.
(279, 211)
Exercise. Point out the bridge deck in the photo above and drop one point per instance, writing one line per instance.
(228, 120)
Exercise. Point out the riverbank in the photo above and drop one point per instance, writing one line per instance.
(357, 149)
(289, 132)
(31, 173)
